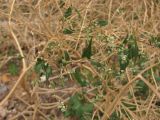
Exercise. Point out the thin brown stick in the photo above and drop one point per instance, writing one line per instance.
(83, 23)
(15, 38)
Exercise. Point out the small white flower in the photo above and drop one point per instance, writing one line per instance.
(124, 57)
(62, 107)
(43, 78)
(46, 64)
(122, 71)
(109, 69)
(111, 38)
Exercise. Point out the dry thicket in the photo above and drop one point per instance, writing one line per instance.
(56, 31)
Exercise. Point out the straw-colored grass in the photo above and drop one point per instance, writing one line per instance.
(30, 29)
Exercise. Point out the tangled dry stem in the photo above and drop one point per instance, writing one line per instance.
(41, 27)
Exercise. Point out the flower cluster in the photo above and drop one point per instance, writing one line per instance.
(62, 106)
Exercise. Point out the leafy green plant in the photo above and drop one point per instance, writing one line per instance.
(68, 12)
(132, 47)
(123, 60)
(13, 68)
(68, 31)
(79, 78)
(155, 40)
(128, 51)
(42, 68)
(87, 51)
(66, 56)
(114, 116)
(101, 22)
(61, 3)
(50, 47)
(142, 90)
(64, 59)
(79, 107)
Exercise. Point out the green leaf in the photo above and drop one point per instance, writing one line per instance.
(42, 68)
(68, 31)
(75, 105)
(78, 76)
(123, 63)
(88, 108)
(157, 78)
(142, 89)
(114, 116)
(66, 56)
(48, 72)
(67, 113)
(68, 12)
(133, 50)
(13, 69)
(155, 41)
(61, 3)
(39, 66)
(129, 49)
(102, 23)
(64, 60)
(87, 51)
(78, 107)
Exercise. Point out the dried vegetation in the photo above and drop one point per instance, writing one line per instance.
(79, 59)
